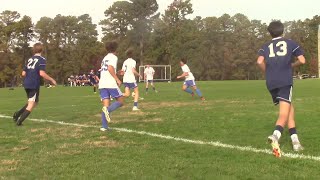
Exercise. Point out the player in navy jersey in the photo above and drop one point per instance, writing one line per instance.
(32, 73)
(94, 80)
(276, 60)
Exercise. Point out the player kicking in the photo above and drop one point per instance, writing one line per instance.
(109, 84)
(275, 59)
(148, 76)
(32, 73)
(94, 79)
(129, 78)
(189, 80)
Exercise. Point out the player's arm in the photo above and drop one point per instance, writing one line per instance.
(135, 72)
(112, 71)
(261, 63)
(24, 73)
(47, 77)
(183, 75)
(301, 60)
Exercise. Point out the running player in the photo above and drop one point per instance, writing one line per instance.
(148, 76)
(32, 73)
(189, 80)
(94, 79)
(109, 84)
(129, 78)
(275, 59)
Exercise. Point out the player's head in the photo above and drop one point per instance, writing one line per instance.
(37, 48)
(129, 53)
(92, 71)
(112, 46)
(183, 61)
(276, 29)
(147, 65)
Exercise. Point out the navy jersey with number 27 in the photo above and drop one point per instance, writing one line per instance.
(32, 69)
(278, 55)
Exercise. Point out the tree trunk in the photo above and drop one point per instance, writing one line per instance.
(141, 49)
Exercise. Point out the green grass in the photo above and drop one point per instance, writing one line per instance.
(236, 112)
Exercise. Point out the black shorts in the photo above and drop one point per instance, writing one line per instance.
(282, 94)
(33, 95)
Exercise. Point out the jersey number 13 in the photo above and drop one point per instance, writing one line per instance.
(283, 49)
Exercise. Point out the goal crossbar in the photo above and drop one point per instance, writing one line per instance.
(162, 72)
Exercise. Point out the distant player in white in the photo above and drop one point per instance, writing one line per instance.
(129, 78)
(109, 84)
(189, 80)
(148, 76)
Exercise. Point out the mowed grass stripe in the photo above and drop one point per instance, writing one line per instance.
(190, 141)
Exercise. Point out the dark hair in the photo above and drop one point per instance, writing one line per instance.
(112, 46)
(129, 53)
(37, 48)
(276, 29)
(184, 60)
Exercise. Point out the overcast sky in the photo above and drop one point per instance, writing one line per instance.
(254, 9)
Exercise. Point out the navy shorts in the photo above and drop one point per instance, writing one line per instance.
(282, 94)
(150, 81)
(189, 83)
(130, 85)
(110, 92)
(33, 95)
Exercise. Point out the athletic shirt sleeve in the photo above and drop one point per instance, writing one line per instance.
(124, 66)
(113, 62)
(261, 52)
(185, 68)
(42, 64)
(297, 50)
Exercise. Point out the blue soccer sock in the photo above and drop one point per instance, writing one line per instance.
(114, 106)
(188, 90)
(135, 104)
(104, 120)
(199, 92)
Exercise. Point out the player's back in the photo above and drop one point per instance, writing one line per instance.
(106, 79)
(32, 69)
(127, 67)
(278, 55)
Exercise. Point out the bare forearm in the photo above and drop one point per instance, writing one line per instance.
(301, 61)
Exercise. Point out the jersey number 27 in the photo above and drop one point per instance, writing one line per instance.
(283, 49)
(32, 63)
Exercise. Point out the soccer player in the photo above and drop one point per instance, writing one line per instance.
(275, 59)
(189, 80)
(148, 76)
(32, 73)
(94, 79)
(129, 78)
(109, 84)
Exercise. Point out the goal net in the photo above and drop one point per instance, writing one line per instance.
(162, 73)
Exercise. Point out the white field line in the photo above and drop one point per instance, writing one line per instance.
(197, 142)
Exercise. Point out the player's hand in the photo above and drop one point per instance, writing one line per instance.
(178, 77)
(53, 82)
(119, 82)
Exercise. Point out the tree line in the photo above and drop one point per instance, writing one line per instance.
(217, 48)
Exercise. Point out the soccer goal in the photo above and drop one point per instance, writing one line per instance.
(162, 73)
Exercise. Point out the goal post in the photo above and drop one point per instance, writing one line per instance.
(162, 73)
(319, 51)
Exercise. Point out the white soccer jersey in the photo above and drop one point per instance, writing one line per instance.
(127, 67)
(185, 69)
(106, 80)
(149, 72)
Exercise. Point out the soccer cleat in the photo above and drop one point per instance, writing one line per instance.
(106, 113)
(15, 117)
(135, 108)
(104, 129)
(192, 95)
(297, 146)
(202, 99)
(273, 140)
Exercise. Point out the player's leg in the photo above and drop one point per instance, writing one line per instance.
(105, 116)
(186, 88)
(117, 94)
(95, 88)
(33, 99)
(293, 131)
(153, 87)
(18, 113)
(136, 99)
(126, 91)
(147, 86)
(197, 90)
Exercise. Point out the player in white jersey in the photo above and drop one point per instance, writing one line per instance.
(189, 80)
(129, 78)
(148, 76)
(109, 84)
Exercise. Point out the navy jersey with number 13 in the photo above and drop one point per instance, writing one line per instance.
(32, 69)
(278, 56)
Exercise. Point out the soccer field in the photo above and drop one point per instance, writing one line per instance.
(173, 137)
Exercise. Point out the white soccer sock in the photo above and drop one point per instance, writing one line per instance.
(277, 134)
(294, 138)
